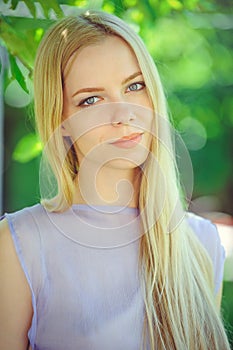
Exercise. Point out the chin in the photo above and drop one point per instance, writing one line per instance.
(125, 164)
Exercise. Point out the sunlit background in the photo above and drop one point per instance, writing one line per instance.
(191, 43)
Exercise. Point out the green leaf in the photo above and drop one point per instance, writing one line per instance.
(31, 6)
(18, 40)
(28, 148)
(14, 4)
(21, 25)
(17, 74)
(51, 4)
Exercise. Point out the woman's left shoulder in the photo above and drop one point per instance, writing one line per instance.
(206, 231)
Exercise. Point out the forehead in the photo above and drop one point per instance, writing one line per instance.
(110, 56)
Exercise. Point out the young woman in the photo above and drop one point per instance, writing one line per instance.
(111, 260)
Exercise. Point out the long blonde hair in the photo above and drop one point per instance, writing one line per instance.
(175, 270)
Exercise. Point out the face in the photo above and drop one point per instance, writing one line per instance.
(107, 111)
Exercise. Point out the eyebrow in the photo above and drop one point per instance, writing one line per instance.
(96, 89)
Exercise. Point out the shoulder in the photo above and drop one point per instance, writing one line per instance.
(208, 235)
(205, 230)
(21, 233)
(5, 238)
(36, 210)
(25, 221)
(8, 255)
(15, 296)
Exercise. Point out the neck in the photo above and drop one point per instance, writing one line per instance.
(107, 186)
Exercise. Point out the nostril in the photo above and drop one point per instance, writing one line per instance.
(122, 114)
(132, 116)
(115, 123)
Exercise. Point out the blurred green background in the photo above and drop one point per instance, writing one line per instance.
(191, 43)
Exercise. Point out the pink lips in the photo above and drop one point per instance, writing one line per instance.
(128, 141)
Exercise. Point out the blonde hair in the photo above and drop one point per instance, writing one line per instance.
(175, 270)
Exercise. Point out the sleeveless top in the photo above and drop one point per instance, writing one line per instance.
(82, 269)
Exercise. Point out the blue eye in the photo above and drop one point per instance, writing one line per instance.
(136, 86)
(89, 101)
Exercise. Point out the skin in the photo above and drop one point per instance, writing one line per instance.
(114, 62)
(15, 296)
(107, 99)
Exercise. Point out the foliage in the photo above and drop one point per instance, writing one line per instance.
(191, 42)
(27, 148)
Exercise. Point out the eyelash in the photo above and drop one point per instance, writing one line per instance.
(82, 102)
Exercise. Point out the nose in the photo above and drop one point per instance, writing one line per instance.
(122, 114)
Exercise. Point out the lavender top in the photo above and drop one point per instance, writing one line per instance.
(82, 266)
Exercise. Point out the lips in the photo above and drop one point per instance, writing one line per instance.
(128, 141)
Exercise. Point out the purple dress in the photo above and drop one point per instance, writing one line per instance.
(82, 268)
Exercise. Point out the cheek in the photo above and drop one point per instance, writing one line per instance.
(148, 124)
(86, 125)
(149, 133)
(149, 137)
(142, 100)
(90, 139)
(146, 100)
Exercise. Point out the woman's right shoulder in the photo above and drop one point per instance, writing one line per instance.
(34, 211)
(19, 240)
(7, 249)
(5, 235)
(24, 221)
(21, 231)
(15, 294)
